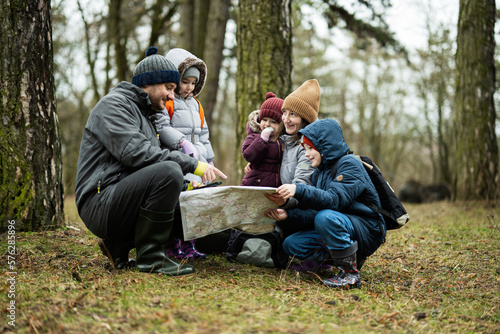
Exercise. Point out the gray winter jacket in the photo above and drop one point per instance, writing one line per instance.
(185, 122)
(119, 138)
(295, 167)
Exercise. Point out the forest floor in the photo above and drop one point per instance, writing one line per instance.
(438, 274)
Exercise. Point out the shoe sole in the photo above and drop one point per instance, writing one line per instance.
(169, 275)
(345, 286)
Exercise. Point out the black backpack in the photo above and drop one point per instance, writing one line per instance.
(263, 250)
(393, 212)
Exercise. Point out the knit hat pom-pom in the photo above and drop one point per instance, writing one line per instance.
(152, 50)
(270, 95)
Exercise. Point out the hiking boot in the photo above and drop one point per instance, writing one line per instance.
(344, 279)
(117, 252)
(349, 276)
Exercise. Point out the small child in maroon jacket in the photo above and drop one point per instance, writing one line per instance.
(262, 147)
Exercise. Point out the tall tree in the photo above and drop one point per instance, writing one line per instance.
(186, 26)
(213, 53)
(476, 143)
(264, 59)
(118, 29)
(31, 191)
(202, 31)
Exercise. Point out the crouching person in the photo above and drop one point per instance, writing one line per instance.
(346, 231)
(127, 187)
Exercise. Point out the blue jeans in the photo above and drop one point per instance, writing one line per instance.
(333, 231)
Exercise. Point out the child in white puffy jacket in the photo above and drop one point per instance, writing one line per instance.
(182, 126)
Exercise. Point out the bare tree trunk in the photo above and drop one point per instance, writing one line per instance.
(186, 26)
(476, 142)
(89, 55)
(118, 37)
(31, 192)
(200, 26)
(264, 59)
(444, 170)
(214, 45)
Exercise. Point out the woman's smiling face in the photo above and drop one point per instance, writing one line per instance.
(292, 122)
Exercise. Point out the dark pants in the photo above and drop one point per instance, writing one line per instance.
(112, 214)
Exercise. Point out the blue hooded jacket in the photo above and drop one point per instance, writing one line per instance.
(343, 192)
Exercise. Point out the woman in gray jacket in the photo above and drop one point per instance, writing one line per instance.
(300, 108)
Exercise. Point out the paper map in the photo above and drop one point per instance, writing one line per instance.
(215, 209)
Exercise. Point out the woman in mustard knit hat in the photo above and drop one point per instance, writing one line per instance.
(300, 108)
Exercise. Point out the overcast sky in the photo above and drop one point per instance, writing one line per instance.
(407, 19)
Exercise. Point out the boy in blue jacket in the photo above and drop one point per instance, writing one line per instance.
(346, 231)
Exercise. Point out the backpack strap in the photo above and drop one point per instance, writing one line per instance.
(367, 166)
(202, 113)
(336, 162)
(170, 109)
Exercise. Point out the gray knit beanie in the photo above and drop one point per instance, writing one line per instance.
(155, 69)
(192, 72)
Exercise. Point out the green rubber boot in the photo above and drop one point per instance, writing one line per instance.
(152, 232)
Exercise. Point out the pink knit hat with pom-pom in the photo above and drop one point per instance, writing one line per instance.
(271, 107)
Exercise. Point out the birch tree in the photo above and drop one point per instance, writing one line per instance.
(31, 192)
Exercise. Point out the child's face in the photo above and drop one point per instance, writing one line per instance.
(313, 155)
(291, 121)
(266, 122)
(187, 86)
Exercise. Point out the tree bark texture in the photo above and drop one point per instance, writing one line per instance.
(118, 34)
(186, 26)
(476, 142)
(200, 26)
(214, 45)
(264, 53)
(31, 191)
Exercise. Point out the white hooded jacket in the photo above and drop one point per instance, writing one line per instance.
(185, 122)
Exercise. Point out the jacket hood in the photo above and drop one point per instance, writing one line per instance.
(326, 135)
(184, 59)
(253, 124)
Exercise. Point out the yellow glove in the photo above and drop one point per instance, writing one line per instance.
(200, 169)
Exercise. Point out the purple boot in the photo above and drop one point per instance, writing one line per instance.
(190, 251)
(183, 250)
(173, 248)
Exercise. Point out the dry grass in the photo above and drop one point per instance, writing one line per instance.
(439, 274)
